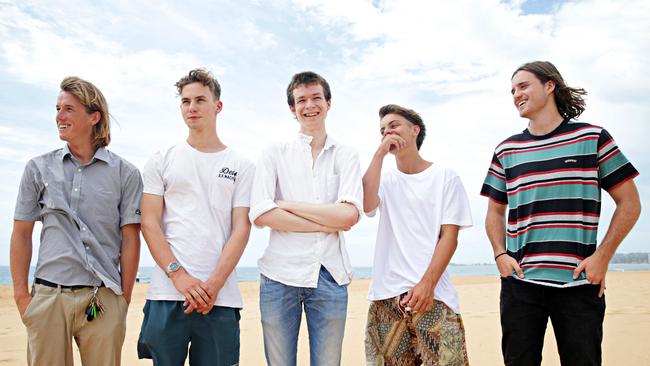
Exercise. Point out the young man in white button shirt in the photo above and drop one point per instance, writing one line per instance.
(195, 222)
(308, 191)
(414, 314)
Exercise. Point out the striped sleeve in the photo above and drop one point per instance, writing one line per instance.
(494, 186)
(613, 167)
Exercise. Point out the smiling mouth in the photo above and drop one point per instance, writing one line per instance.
(521, 103)
(63, 126)
(312, 114)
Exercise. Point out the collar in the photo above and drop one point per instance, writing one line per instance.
(306, 140)
(100, 154)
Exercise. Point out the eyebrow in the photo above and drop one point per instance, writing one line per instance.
(319, 94)
(382, 128)
(512, 90)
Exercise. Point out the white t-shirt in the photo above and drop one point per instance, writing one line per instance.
(199, 190)
(412, 208)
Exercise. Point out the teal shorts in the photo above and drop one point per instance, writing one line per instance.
(166, 333)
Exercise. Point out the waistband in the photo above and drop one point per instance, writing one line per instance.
(40, 281)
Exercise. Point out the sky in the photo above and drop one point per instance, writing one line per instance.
(450, 61)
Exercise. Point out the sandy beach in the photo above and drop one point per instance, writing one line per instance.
(627, 324)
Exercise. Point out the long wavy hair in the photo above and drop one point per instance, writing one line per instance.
(569, 101)
(93, 100)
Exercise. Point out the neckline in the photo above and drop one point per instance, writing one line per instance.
(550, 134)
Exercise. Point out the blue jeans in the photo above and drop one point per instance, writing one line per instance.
(325, 309)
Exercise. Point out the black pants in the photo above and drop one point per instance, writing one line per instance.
(576, 314)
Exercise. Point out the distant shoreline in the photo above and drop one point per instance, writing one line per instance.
(251, 274)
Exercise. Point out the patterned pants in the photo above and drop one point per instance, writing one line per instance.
(395, 337)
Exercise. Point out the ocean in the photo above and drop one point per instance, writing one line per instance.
(250, 274)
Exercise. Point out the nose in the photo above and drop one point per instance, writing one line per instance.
(192, 106)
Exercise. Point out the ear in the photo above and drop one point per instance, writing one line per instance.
(292, 108)
(219, 107)
(95, 117)
(415, 130)
(329, 104)
(549, 87)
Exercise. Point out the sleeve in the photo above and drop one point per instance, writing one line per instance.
(350, 185)
(494, 186)
(613, 167)
(130, 200)
(263, 186)
(152, 176)
(456, 209)
(28, 207)
(242, 194)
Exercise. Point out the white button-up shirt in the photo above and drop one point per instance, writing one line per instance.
(288, 172)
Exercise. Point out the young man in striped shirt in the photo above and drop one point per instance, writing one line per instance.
(548, 179)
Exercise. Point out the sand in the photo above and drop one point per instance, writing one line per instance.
(626, 328)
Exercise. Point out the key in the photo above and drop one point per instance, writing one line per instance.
(95, 308)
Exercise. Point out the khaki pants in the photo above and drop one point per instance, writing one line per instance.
(55, 316)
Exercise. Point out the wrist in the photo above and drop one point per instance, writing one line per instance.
(176, 274)
(501, 254)
(215, 282)
(604, 253)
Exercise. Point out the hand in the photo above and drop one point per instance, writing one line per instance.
(420, 297)
(22, 301)
(389, 143)
(595, 268)
(506, 265)
(191, 288)
(127, 297)
(212, 288)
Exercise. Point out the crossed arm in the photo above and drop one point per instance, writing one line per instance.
(199, 295)
(309, 217)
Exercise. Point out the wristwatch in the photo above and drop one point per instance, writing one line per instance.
(172, 267)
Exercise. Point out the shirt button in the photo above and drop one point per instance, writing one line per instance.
(87, 247)
(76, 189)
(79, 169)
(46, 184)
(83, 229)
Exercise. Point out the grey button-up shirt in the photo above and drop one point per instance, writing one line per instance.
(82, 208)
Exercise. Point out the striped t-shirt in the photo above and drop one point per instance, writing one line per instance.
(551, 184)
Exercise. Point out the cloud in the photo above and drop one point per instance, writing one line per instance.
(451, 61)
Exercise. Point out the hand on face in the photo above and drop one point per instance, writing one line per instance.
(391, 143)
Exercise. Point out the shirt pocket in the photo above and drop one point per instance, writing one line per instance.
(105, 204)
(221, 192)
(333, 181)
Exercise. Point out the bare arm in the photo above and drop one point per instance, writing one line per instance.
(20, 257)
(420, 298)
(232, 252)
(341, 216)
(279, 219)
(495, 226)
(628, 209)
(372, 176)
(371, 180)
(152, 208)
(129, 258)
